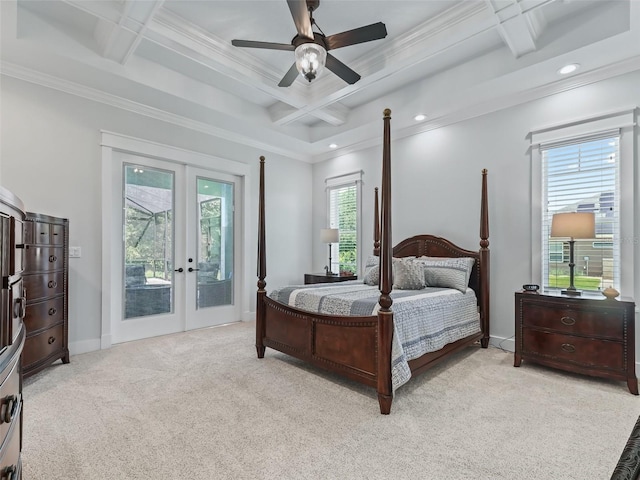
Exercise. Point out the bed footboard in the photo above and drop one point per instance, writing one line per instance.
(345, 345)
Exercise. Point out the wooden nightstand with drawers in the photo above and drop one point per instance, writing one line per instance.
(587, 335)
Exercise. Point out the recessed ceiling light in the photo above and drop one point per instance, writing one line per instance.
(419, 117)
(572, 67)
(333, 145)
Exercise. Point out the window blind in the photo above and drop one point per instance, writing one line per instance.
(343, 215)
(582, 175)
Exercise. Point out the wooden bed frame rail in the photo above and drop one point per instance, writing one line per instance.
(359, 348)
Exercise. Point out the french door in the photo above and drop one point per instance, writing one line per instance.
(180, 248)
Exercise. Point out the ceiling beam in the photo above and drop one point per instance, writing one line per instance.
(119, 40)
(518, 23)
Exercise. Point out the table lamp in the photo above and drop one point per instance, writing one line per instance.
(329, 235)
(573, 225)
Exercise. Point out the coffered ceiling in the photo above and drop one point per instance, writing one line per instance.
(448, 59)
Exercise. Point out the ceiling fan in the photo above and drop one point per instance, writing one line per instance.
(311, 47)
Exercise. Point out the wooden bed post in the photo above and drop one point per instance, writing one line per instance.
(484, 261)
(376, 224)
(385, 315)
(262, 268)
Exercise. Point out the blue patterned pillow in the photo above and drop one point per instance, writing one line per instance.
(447, 272)
(372, 270)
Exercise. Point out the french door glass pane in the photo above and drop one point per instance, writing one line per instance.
(215, 246)
(148, 214)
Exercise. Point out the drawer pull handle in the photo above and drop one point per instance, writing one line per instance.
(567, 347)
(20, 307)
(52, 258)
(10, 473)
(52, 311)
(568, 321)
(8, 410)
(51, 340)
(52, 284)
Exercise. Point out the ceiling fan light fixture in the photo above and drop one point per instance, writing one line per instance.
(310, 60)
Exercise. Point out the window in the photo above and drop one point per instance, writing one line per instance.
(582, 175)
(343, 196)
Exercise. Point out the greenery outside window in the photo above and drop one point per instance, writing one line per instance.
(343, 213)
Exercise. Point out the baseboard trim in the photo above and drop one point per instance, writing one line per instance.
(84, 346)
(503, 343)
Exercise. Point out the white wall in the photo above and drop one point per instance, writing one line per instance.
(50, 157)
(436, 184)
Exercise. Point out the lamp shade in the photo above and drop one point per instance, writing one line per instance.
(329, 235)
(573, 225)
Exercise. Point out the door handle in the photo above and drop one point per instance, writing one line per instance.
(180, 270)
(191, 269)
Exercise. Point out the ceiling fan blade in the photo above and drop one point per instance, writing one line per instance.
(300, 15)
(375, 31)
(289, 77)
(341, 70)
(268, 45)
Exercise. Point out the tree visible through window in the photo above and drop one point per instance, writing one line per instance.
(343, 215)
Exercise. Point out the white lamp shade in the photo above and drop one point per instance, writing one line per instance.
(329, 235)
(573, 225)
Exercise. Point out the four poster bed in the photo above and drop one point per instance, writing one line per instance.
(367, 347)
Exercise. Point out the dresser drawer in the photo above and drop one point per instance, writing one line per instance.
(9, 400)
(43, 285)
(588, 352)
(44, 259)
(44, 314)
(43, 344)
(603, 323)
(10, 464)
(37, 233)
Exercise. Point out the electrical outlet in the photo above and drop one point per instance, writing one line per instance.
(75, 252)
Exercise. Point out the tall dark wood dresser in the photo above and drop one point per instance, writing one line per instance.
(46, 279)
(12, 334)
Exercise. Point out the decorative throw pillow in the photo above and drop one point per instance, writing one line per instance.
(372, 270)
(447, 272)
(408, 274)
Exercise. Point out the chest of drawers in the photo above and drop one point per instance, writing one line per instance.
(12, 333)
(591, 336)
(46, 282)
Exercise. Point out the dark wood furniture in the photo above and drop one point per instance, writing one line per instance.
(46, 279)
(589, 335)
(310, 278)
(12, 334)
(359, 348)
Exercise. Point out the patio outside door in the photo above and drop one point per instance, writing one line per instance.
(179, 252)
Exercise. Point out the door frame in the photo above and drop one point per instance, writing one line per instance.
(112, 216)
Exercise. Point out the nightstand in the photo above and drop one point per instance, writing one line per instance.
(310, 278)
(588, 335)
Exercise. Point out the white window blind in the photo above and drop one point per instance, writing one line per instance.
(582, 175)
(343, 215)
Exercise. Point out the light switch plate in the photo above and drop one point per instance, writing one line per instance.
(75, 252)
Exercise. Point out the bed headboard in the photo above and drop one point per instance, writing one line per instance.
(432, 246)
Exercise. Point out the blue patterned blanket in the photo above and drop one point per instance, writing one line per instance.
(424, 320)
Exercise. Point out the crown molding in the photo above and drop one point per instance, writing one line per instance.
(89, 93)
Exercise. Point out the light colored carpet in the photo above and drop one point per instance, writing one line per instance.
(200, 405)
